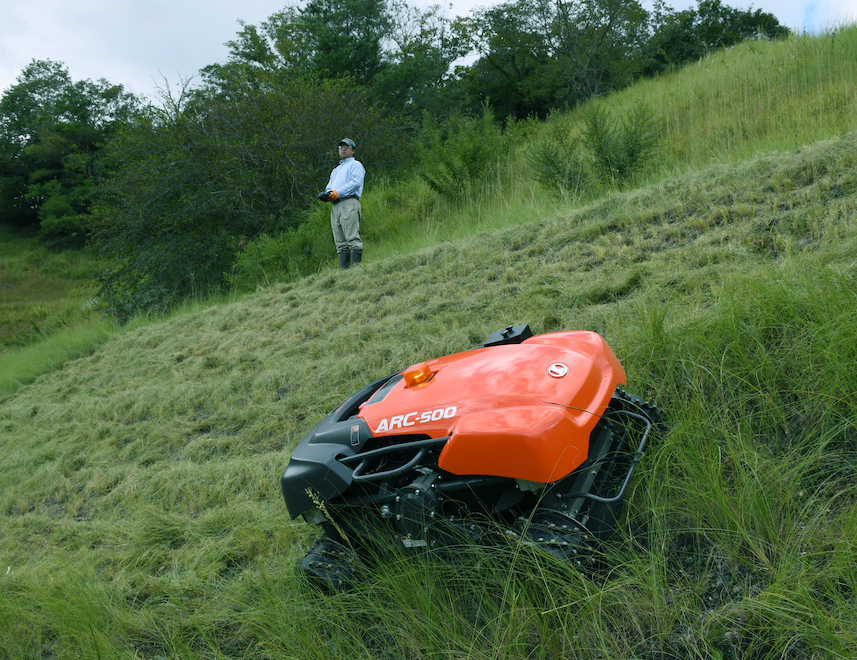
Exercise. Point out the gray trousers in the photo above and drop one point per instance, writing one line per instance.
(345, 221)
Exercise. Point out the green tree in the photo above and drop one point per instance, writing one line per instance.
(516, 53)
(402, 55)
(420, 49)
(279, 43)
(216, 167)
(26, 109)
(681, 37)
(326, 38)
(345, 37)
(539, 55)
(52, 131)
(598, 44)
(15, 205)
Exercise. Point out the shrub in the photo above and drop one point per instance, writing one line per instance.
(573, 154)
(285, 255)
(457, 155)
(620, 149)
(558, 159)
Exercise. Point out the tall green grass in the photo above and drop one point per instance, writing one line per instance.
(755, 97)
(42, 291)
(22, 366)
(48, 313)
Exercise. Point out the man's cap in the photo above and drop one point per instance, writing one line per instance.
(349, 142)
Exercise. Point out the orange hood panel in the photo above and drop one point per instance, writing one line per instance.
(523, 411)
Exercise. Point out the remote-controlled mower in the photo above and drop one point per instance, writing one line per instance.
(524, 439)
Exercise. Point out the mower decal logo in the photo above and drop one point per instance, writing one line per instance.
(413, 418)
(558, 370)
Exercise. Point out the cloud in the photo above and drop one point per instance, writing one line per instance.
(129, 43)
(137, 44)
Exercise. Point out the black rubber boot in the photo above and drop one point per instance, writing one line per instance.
(344, 259)
(356, 255)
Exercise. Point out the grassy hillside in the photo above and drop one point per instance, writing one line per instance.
(758, 97)
(755, 97)
(140, 484)
(43, 291)
(48, 310)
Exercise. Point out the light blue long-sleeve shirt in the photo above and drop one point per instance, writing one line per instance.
(347, 178)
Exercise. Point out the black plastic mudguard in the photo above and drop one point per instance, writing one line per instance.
(314, 463)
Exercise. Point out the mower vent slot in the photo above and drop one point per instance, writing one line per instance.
(351, 406)
(382, 392)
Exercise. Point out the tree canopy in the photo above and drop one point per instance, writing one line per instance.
(217, 168)
(681, 37)
(52, 131)
(402, 55)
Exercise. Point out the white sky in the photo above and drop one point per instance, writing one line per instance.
(139, 43)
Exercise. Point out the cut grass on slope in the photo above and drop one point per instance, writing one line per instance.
(139, 484)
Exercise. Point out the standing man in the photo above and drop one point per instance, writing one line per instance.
(344, 191)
